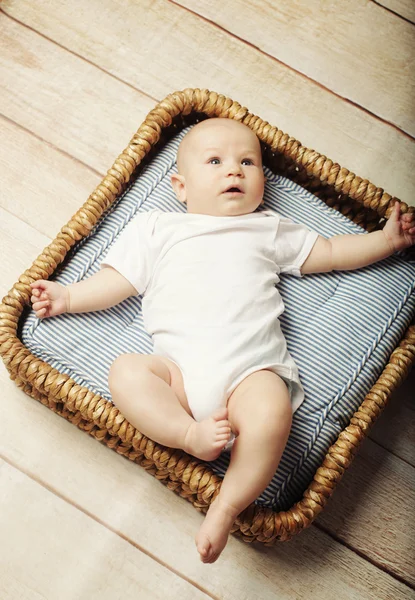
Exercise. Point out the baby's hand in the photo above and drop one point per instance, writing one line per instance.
(400, 229)
(48, 298)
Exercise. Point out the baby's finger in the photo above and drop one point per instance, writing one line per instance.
(39, 284)
(395, 212)
(39, 295)
(40, 305)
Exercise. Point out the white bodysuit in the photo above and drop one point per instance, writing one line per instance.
(209, 296)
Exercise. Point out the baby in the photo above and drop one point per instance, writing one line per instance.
(220, 377)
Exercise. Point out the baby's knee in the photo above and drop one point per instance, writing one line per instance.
(117, 373)
(136, 369)
(262, 404)
(270, 419)
(271, 432)
(124, 368)
(282, 422)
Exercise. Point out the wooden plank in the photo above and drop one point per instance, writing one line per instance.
(20, 245)
(65, 100)
(276, 93)
(87, 559)
(348, 578)
(23, 143)
(121, 496)
(41, 185)
(404, 8)
(313, 36)
(395, 430)
(372, 510)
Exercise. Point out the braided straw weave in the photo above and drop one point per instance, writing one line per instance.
(189, 477)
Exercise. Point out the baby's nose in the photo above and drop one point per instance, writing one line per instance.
(235, 169)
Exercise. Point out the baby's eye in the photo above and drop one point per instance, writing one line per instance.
(247, 159)
(213, 159)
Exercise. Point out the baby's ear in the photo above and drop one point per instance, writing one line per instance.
(178, 184)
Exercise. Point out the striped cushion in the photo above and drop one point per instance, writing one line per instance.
(340, 327)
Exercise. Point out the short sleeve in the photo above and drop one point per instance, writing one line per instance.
(293, 244)
(133, 252)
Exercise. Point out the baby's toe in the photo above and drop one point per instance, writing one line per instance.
(213, 558)
(204, 548)
(223, 433)
(223, 424)
(225, 429)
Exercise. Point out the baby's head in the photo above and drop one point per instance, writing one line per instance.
(218, 154)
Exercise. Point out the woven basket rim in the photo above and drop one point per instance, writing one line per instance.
(183, 473)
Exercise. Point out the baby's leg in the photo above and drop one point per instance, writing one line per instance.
(260, 412)
(149, 392)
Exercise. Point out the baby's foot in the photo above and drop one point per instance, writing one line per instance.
(206, 439)
(215, 529)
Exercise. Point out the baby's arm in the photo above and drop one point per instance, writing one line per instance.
(104, 289)
(351, 251)
(346, 252)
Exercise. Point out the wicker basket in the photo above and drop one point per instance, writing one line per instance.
(189, 477)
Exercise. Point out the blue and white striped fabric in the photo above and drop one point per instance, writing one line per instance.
(341, 327)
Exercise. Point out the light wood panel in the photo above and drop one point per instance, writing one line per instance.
(195, 54)
(403, 8)
(395, 431)
(41, 185)
(65, 100)
(20, 244)
(375, 66)
(58, 548)
(76, 81)
(372, 510)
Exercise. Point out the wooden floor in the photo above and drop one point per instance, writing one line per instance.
(77, 521)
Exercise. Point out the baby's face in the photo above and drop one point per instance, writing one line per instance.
(220, 154)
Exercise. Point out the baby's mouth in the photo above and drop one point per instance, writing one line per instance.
(233, 190)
